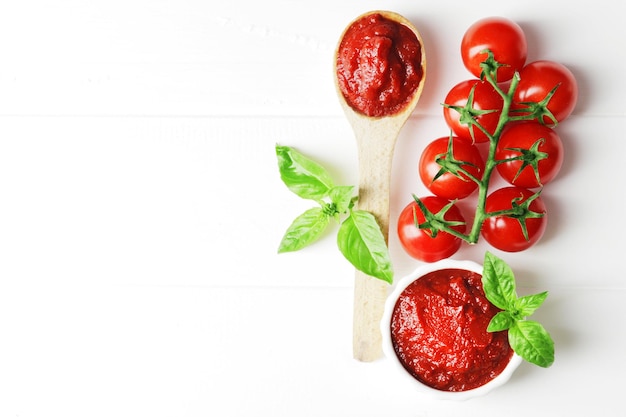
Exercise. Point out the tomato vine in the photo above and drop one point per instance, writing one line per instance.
(526, 111)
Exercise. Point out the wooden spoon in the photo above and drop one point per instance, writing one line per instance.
(376, 138)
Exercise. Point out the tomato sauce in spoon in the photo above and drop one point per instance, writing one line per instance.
(379, 65)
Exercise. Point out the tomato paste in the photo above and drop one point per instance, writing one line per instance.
(379, 65)
(439, 331)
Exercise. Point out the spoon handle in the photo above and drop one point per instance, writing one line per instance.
(369, 302)
(376, 143)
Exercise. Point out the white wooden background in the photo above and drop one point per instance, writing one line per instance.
(141, 210)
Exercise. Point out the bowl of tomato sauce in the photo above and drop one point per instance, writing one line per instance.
(434, 331)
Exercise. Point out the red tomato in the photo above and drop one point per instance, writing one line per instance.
(503, 37)
(506, 232)
(539, 146)
(538, 78)
(448, 185)
(484, 98)
(419, 243)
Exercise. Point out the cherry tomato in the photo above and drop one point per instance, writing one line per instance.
(503, 37)
(539, 146)
(505, 232)
(448, 185)
(538, 78)
(484, 98)
(420, 243)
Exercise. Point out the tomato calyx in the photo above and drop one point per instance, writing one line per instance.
(529, 157)
(435, 222)
(468, 114)
(490, 66)
(530, 110)
(449, 163)
(520, 210)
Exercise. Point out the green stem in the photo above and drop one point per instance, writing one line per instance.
(535, 110)
(483, 185)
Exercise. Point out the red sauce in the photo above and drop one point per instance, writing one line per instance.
(379, 65)
(439, 332)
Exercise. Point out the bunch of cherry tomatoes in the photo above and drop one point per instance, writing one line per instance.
(501, 121)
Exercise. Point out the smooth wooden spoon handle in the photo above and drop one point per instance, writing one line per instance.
(370, 295)
(375, 151)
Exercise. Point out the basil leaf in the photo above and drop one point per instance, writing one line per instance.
(498, 282)
(304, 230)
(501, 321)
(361, 241)
(532, 342)
(526, 305)
(301, 175)
(341, 196)
(527, 338)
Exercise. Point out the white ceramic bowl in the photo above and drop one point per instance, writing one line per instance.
(390, 353)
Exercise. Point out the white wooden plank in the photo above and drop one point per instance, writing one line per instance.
(199, 201)
(195, 57)
(162, 351)
(195, 201)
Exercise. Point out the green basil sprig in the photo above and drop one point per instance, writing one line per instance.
(359, 238)
(529, 339)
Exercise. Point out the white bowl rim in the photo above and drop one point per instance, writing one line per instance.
(390, 354)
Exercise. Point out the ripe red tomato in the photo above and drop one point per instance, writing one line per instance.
(538, 78)
(448, 185)
(506, 233)
(420, 244)
(484, 98)
(503, 37)
(541, 149)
